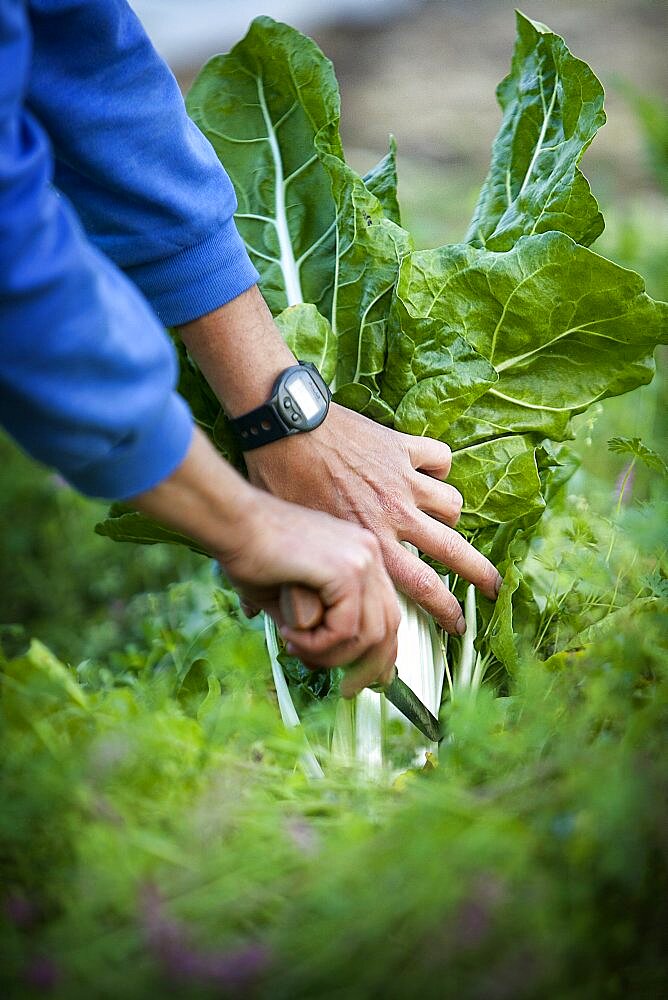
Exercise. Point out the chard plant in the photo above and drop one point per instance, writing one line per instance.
(493, 344)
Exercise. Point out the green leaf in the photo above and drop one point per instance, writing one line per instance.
(553, 107)
(37, 684)
(616, 621)
(310, 337)
(500, 634)
(636, 448)
(261, 106)
(432, 374)
(381, 181)
(499, 482)
(130, 526)
(210, 705)
(317, 235)
(193, 386)
(360, 398)
(562, 326)
(369, 249)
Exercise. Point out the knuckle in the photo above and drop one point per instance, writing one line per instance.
(446, 453)
(372, 545)
(356, 561)
(394, 504)
(457, 503)
(377, 635)
(425, 581)
(451, 546)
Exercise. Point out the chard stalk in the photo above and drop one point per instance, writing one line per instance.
(369, 732)
(467, 662)
(307, 760)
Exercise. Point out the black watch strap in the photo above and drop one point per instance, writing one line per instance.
(261, 426)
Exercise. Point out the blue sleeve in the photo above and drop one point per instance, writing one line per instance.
(87, 373)
(145, 182)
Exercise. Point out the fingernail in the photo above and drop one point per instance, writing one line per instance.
(460, 625)
(290, 648)
(498, 585)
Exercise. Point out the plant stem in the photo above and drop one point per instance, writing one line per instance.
(618, 508)
(308, 761)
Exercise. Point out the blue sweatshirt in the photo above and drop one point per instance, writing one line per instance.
(115, 218)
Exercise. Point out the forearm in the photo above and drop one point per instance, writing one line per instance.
(204, 498)
(87, 373)
(239, 350)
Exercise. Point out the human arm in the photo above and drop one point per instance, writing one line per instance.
(264, 543)
(144, 181)
(388, 482)
(86, 372)
(349, 466)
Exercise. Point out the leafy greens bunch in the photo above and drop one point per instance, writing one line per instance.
(494, 344)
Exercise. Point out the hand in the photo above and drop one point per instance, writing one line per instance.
(284, 543)
(264, 543)
(390, 483)
(351, 467)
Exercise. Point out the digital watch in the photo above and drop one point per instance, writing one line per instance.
(299, 402)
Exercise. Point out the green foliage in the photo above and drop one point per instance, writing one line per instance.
(553, 108)
(156, 834)
(637, 449)
(56, 575)
(495, 344)
(652, 114)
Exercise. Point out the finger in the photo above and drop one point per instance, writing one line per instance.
(377, 666)
(339, 638)
(430, 456)
(439, 500)
(368, 672)
(449, 547)
(249, 610)
(379, 621)
(423, 585)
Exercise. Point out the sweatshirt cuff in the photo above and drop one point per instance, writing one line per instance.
(142, 461)
(199, 279)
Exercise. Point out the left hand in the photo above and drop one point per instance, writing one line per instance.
(391, 483)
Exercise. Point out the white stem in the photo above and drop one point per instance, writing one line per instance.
(478, 673)
(467, 661)
(439, 642)
(343, 737)
(288, 263)
(369, 732)
(308, 761)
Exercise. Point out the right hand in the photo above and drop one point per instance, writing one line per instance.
(265, 543)
(281, 544)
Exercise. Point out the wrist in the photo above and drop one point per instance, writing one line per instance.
(240, 351)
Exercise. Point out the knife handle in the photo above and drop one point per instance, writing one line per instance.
(301, 607)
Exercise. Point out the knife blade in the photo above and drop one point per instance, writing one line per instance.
(407, 702)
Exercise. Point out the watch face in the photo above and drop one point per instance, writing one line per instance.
(306, 395)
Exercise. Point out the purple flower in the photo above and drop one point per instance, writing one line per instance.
(42, 974)
(303, 836)
(169, 942)
(20, 910)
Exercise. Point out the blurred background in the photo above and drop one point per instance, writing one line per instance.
(427, 72)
